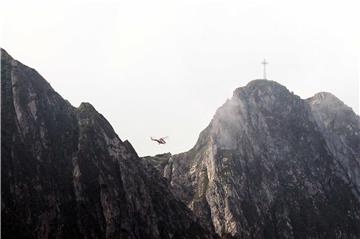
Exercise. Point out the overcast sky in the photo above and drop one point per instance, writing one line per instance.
(162, 68)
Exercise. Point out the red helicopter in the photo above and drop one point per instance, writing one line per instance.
(159, 140)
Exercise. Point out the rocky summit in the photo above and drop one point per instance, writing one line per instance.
(272, 165)
(66, 174)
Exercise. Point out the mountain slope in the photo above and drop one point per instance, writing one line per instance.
(341, 129)
(264, 169)
(66, 174)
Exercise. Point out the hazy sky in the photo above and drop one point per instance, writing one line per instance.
(162, 68)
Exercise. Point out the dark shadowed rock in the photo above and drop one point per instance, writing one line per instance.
(66, 174)
(158, 161)
(271, 165)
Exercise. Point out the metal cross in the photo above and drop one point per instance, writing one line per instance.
(264, 63)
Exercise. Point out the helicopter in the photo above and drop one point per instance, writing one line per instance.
(159, 140)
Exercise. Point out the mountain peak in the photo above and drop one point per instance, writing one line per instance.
(325, 98)
(261, 148)
(7, 58)
(262, 82)
(260, 86)
(4, 53)
(86, 106)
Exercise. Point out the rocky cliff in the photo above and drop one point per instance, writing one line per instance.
(271, 165)
(66, 174)
(340, 127)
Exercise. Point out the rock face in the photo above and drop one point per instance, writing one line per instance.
(341, 129)
(66, 174)
(271, 165)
